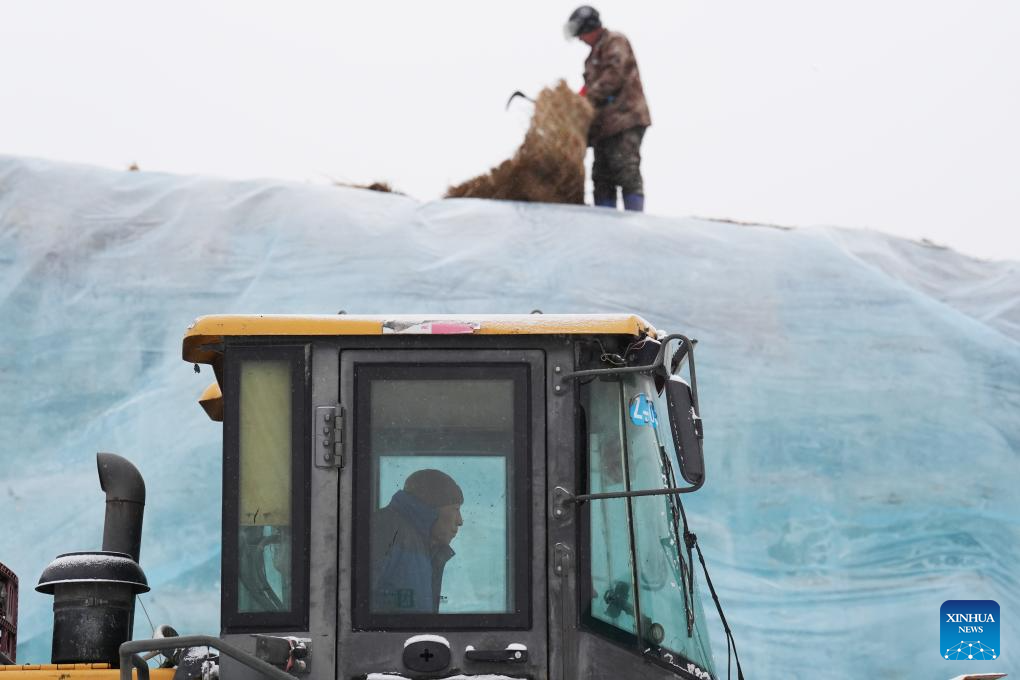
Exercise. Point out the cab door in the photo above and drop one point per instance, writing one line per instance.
(442, 522)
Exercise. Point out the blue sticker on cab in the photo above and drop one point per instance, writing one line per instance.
(642, 411)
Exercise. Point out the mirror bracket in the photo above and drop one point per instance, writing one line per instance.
(658, 365)
(561, 500)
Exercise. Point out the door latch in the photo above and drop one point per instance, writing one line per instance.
(562, 558)
(514, 653)
(329, 436)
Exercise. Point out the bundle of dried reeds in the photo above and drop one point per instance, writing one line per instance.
(549, 166)
(374, 186)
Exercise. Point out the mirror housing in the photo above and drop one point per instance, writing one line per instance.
(686, 429)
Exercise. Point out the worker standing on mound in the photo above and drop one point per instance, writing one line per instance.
(613, 85)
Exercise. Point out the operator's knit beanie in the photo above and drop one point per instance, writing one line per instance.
(434, 488)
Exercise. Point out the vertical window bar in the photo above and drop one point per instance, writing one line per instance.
(630, 519)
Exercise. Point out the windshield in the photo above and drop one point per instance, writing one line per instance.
(630, 449)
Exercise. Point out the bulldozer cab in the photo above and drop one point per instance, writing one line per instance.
(437, 496)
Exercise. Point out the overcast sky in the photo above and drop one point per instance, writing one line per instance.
(896, 115)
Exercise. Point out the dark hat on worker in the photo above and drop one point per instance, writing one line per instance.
(434, 488)
(584, 19)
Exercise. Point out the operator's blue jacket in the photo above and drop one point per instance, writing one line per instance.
(407, 570)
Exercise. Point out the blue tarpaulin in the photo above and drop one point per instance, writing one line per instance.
(861, 393)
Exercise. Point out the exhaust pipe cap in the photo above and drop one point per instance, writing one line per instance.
(100, 566)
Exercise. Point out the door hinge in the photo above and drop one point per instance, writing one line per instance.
(329, 436)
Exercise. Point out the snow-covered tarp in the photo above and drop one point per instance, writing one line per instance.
(861, 393)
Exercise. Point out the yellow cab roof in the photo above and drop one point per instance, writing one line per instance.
(211, 330)
(207, 332)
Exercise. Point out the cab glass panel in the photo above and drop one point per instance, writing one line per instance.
(441, 464)
(264, 499)
(634, 577)
(611, 574)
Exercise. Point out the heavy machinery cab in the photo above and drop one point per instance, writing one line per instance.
(425, 496)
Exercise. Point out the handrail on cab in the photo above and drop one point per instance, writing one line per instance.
(129, 655)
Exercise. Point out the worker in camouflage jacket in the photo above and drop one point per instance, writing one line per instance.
(612, 84)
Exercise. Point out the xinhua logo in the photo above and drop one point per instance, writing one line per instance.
(970, 630)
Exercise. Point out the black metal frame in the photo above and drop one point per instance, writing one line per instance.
(296, 618)
(519, 541)
(658, 364)
(684, 353)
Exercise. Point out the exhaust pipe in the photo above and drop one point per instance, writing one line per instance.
(125, 504)
(94, 592)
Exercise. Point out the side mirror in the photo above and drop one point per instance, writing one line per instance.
(685, 426)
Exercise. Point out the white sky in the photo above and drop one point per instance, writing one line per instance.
(897, 115)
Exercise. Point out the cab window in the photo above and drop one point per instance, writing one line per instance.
(629, 449)
(441, 465)
(611, 573)
(661, 573)
(264, 530)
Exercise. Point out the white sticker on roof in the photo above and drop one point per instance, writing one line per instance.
(430, 327)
